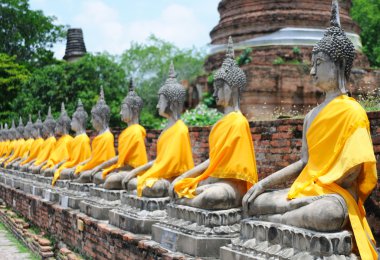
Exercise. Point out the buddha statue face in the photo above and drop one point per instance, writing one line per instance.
(163, 106)
(222, 93)
(35, 132)
(325, 72)
(97, 122)
(126, 113)
(79, 119)
(75, 124)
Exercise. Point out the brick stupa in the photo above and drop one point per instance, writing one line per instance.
(75, 47)
(282, 34)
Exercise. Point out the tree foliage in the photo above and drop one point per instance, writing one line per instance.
(367, 14)
(66, 82)
(27, 34)
(148, 64)
(12, 76)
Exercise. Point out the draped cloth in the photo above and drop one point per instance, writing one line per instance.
(34, 150)
(131, 149)
(102, 150)
(26, 148)
(174, 156)
(18, 145)
(4, 147)
(231, 155)
(46, 149)
(60, 152)
(338, 140)
(8, 150)
(79, 150)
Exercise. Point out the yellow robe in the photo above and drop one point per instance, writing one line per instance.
(4, 148)
(131, 149)
(26, 148)
(9, 149)
(102, 150)
(231, 155)
(34, 150)
(46, 149)
(16, 151)
(79, 151)
(60, 152)
(2, 145)
(339, 139)
(174, 156)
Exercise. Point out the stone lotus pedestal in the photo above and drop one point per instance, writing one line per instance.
(266, 240)
(197, 232)
(138, 214)
(100, 202)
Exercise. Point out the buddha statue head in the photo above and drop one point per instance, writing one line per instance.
(333, 56)
(2, 132)
(100, 113)
(20, 129)
(229, 80)
(12, 133)
(79, 120)
(28, 128)
(5, 132)
(171, 96)
(37, 127)
(49, 125)
(63, 122)
(131, 106)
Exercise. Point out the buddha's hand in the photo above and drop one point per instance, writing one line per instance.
(251, 195)
(128, 176)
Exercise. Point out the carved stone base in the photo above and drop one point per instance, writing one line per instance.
(197, 232)
(97, 208)
(109, 195)
(82, 187)
(266, 240)
(71, 199)
(51, 195)
(138, 214)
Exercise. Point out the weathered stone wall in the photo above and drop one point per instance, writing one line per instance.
(97, 240)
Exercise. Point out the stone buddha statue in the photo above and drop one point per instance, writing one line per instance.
(48, 145)
(18, 144)
(131, 145)
(174, 155)
(60, 153)
(12, 137)
(36, 131)
(102, 145)
(337, 169)
(25, 148)
(221, 181)
(5, 140)
(79, 149)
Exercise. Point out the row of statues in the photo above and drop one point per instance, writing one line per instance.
(333, 178)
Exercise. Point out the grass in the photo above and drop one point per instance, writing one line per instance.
(18, 244)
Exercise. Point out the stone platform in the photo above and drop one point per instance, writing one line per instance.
(266, 240)
(138, 214)
(100, 202)
(197, 232)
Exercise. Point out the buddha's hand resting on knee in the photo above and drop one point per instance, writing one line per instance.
(251, 195)
(128, 176)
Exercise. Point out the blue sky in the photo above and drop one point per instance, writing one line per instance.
(111, 25)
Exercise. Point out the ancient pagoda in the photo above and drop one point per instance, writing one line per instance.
(75, 47)
(281, 34)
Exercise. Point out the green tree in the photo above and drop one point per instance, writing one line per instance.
(28, 34)
(12, 76)
(367, 14)
(148, 65)
(66, 82)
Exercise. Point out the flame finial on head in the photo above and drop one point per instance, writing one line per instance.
(20, 123)
(230, 48)
(131, 85)
(30, 118)
(172, 73)
(63, 109)
(13, 124)
(101, 97)
(80, 104)
(335, 18)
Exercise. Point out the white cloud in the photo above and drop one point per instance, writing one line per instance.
(177, 24)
